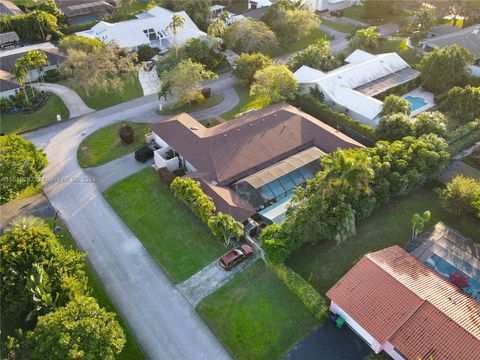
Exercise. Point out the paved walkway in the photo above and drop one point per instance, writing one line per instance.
(112, 172)
(70, 98)
(345, 20)
(210, 278)
(163, 321)
(149, 81)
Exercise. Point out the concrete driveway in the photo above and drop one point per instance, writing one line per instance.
(149, 81)
(163, 321)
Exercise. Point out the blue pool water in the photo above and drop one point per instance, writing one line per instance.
(416, 102)
(444, 268)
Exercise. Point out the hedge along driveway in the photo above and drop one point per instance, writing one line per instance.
(180, 243)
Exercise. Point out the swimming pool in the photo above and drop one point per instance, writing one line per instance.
(445, 269)
(416, 102)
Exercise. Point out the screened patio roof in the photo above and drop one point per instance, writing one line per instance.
(384, 83)
(283, 167)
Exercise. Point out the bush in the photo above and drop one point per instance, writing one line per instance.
(395, 126)
(430, 123)
(246, 65)
(307, 294)
(394, 104)
(190, 193)
(462, 131)
(146, 52)
(206, 92)
(462, 197)
(72, 29)
(316, 108)
(6, 105)
(127, 134)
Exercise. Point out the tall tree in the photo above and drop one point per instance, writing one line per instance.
(226, 227)
(464, 103)
(20, 72)
(216, 29)
(276, 83)
(433, 122)
(50, 6)
(37, 59)
(21, 166)
(317, 56)
(246, 65)
(176, 23)
(365, 39)
(186, 78)
(82, 43)
(81, 329)
(424, 18)
(250, 36)
(445, 67)
(395, 104)
(395, 127)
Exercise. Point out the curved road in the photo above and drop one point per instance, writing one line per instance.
(164, 323)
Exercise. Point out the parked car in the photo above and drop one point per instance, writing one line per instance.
(235, 256)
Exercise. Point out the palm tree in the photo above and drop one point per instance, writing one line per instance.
(177, 22)
(418, 222)
(23, 223)
(37, 59)
(216, 29)
(366, 39)
(20, 72)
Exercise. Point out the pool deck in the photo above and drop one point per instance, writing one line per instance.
(425, 95)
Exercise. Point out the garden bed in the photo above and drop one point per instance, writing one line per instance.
(104, 145)
(256, 316)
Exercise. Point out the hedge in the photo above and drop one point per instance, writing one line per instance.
(314, 107)
(310, 297)
(464, 136)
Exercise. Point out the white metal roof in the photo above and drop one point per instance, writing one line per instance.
(362, 69)
(131, 33)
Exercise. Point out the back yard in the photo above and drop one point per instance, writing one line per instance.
(324, 264)
(180, 243)
(256, 316)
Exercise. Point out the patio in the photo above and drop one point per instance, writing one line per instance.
(420, 99)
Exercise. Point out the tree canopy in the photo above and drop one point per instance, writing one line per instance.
(444, 68)
(250, 36)
(317, 56)
(276, 83)
(21, 165)
(225, 227)
(430, 123)
(82, 43)
(395, 104)
(365, 39)
(289, 22)
(464, 103)
(395, 126)
(81, 329)
(246, 65)
(461, 196)
(32, 27)
(423, 19)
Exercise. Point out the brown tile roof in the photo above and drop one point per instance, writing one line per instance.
(389, 292)
(237, 148)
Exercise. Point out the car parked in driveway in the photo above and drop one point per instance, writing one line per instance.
(235, 256)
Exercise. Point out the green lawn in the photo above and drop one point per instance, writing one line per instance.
(314, 36)
(345, 28)
(104, 145)
(247, 102)
(179, 241)
(210, 122)
(130, 9)
(358, 13)
(235, 6)
(47, 114)
(179, 108)
(102, 99)
(255, 315)
(131, 351)
(324, 264)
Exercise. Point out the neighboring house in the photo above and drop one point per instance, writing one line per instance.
(441, 30)
(250, 166)
(9, 39)
(78, 12)
(217, 10)
(8, 58)
(7, 86)
(150, 28)
(257, 4)
(351, 88)
(399, 305)
(9, 8)
(468, 38)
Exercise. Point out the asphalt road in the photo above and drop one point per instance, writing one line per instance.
(163, 321)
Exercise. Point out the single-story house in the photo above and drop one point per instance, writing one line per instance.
(250, 166)
(441, 30)
(77, 12)
(399, 305)
(351, 88)
(468, 38)
(7, 86)
(9, 8)
(150, 28)
(8, 58)
(9, 39)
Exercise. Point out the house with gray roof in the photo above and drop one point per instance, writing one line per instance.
(9, 8)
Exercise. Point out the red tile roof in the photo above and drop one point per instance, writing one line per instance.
(392, 296)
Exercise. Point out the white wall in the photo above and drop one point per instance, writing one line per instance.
(159, 140)
(374, 344)
(390, 350)
(160, 156)
(474, 70)
(8, 93)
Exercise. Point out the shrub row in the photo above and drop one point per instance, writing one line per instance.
(463, 131)
(190, 192)
(310, 297)
(464, 137)
(325, 113)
